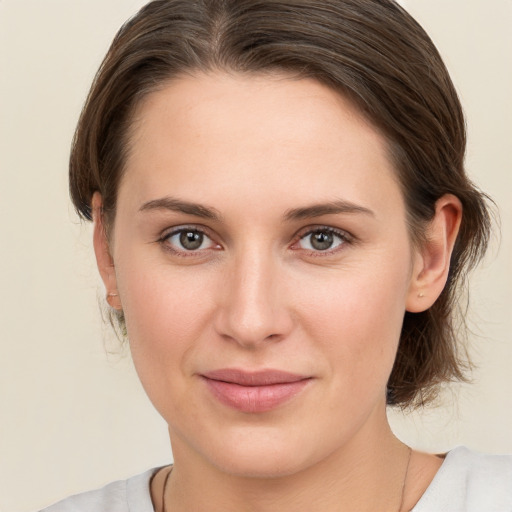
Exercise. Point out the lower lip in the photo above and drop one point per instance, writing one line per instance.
(254, 399)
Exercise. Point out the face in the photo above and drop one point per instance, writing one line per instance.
(263, 264)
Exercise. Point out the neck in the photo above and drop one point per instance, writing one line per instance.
(365, 475)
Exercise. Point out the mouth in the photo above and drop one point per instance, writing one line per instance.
(254, 392)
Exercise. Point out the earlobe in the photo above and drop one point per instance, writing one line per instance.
(103, 254)
(432, 259)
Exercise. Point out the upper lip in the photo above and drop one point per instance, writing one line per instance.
(253, 378)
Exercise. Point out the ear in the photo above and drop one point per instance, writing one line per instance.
(104, 258)
(432, 259)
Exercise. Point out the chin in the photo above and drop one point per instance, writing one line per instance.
(262, 465)
(262, 454)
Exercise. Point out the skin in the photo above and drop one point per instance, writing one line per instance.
(258, 295)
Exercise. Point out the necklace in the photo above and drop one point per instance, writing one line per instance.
(402, 492)
(164, 507)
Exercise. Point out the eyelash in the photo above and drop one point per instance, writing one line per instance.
(343, 236)
(164, 241)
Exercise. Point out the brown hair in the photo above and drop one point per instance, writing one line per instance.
(372, 52)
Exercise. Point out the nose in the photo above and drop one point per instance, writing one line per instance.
(254, 309)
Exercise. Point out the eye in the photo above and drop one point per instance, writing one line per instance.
(322, 239)
(188, 240)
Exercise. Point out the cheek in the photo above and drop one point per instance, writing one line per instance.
(158, 309)
(356, 316)
(167, 312)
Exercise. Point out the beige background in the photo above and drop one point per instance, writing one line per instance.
(73, 417)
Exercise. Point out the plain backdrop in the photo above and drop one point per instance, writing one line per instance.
(72, 416)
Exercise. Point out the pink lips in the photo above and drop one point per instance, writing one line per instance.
(254, 391)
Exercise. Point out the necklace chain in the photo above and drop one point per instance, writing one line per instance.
(164, 507)
(402, 493)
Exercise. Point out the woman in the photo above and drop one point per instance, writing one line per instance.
(281, 221)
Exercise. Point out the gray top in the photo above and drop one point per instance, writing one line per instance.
(466, 482)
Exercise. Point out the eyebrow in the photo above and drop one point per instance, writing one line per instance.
(330, 208)
(205, 212)
(177, 205)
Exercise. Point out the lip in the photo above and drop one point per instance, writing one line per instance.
(254, 392)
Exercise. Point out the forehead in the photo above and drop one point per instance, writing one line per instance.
(251, 134)
(218, 104)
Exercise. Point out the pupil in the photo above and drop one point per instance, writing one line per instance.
(322, 241)
(191, 240)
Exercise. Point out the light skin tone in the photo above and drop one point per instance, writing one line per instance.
(298, 258)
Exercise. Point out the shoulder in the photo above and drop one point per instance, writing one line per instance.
(470, 482)
(121, 496)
